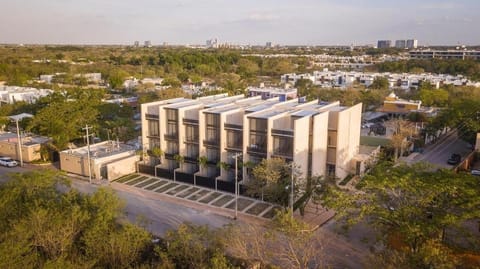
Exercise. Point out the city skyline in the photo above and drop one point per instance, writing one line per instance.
(304, 22)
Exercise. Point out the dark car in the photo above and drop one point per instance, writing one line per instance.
(454, 159)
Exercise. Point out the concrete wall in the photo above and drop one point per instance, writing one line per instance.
(348, 139)
(120, 168)
(300, 145)
(319, 144)
(29, 153)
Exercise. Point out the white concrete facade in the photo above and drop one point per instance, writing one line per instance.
(315, 136)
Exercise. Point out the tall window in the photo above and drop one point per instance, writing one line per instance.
(172, 148)
(234, 139)
(172, 122)
(192, 150)
(191, 133)
(283, 145)
(153, 128)
(213, 127)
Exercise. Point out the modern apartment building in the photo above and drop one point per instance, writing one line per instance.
(412, 43)
(382, 44)
(199, 138)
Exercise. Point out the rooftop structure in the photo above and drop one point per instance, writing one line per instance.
(30, 145)
(394, 105)
(109, 160)
(270, 92)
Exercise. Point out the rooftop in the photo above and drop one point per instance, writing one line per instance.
(101, 150)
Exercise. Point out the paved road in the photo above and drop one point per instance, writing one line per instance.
(439, 153)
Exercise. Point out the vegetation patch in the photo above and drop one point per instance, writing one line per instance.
(222, 201)
(257, 209)
(156, 185)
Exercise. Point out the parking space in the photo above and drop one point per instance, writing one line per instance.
(209, 197)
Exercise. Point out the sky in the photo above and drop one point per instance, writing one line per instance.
(292, 22)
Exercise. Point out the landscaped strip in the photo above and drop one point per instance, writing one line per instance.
(126, 178)
(167, 187)
(135, 181)
(257, 209)
(188, 192)
(177, 190)
(145, 183)
(198, 195)
(156, 185)
(210, 197)
(222, 201)
(242, 204)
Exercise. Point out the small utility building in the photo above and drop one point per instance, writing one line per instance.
(108, 160)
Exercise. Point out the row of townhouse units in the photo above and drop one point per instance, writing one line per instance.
(445, 54)
(404, 81)
(319, 138)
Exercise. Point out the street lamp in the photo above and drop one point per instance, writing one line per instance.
(236, 182)
(17, 118)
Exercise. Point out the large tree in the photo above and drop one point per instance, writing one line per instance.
(414, 205)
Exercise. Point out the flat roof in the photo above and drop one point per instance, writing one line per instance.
(101, 150)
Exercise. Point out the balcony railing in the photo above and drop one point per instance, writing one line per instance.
(190, 121)
(151, 117)
(170, 156)
(257, 149)
(171, 137)
(191, 140)
(286, 153)
(211, 143)
(282, 132)
(233, 126)
(190, 159)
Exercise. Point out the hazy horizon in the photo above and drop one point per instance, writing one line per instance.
(303, 22)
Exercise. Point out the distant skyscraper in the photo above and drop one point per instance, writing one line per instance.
(412, 43)
(382, 44)
(212, 43)
(136, 44)
(148, 44)
(400, 44)
(268, 44)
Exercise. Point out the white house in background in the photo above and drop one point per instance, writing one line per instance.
(406, 81)
(12, 94)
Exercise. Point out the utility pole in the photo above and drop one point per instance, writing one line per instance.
(236, 183)
(88, 153)
(291, 193)
(19, 140)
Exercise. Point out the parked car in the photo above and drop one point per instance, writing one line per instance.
(454, 159)
(8, 162)
(475, 172)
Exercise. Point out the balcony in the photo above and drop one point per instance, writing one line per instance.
(190, 121)
(170, 156)
(191, 141)
(285, 153)
(151, 117)
(171, 137)
(257, 149)
(233, 126)
(234, 145)
(282, 132)
(212, 143)
(191, 159)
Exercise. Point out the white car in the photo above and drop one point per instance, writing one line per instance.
(8, 162)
